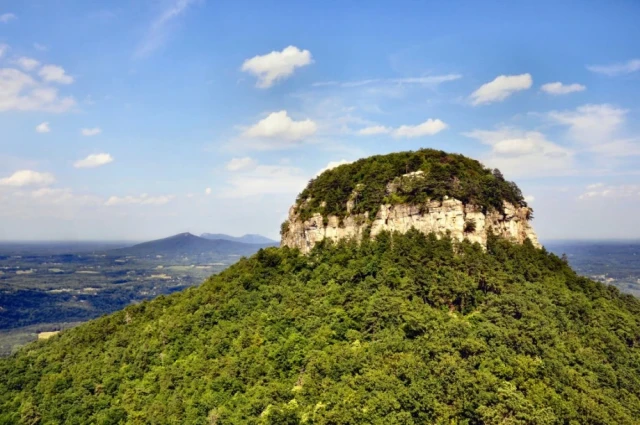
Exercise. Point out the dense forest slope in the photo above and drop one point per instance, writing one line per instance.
(403, 329)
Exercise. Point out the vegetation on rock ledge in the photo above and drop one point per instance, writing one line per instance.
(442, 175)
(404, 329)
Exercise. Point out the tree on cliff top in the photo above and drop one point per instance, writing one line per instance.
(441, 174)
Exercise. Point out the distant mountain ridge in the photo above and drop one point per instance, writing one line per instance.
(248, 238)
(187, 244)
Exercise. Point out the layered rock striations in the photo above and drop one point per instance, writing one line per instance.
(447, 216)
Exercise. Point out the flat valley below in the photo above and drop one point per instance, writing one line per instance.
(45, 289)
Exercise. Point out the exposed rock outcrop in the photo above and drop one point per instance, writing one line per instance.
(440, 217)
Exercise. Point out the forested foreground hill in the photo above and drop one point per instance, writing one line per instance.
(406, 329)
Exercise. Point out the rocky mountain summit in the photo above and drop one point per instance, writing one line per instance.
(410, 200)
(399, 328)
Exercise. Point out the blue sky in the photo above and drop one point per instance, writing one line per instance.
(136, 120)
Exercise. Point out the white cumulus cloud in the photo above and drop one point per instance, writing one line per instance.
(20, 92)
(28, 64)
(3, 49)
(55, 74)
(278, 125)
(88, 132)
(616, 69)
(43, 128)
(374, 129)
(94, 160)
(276, 65)
(333, 164)
(501, 88)
(28, 178)
(558, 88)
(241, 164)
(427, 128)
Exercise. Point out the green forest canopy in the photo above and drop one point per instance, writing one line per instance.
(406, 329)
(445, 174)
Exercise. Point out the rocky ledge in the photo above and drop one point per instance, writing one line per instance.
(450, 216)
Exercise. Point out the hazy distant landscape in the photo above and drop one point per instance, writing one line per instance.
(615, 263)
(47, 287)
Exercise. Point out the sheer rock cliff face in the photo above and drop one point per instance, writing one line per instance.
(449, 216)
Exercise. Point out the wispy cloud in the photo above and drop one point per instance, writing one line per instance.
(28, 64)
(143, 199)
(88, 132)
(519, 152)
(616, 69)
(600, 190)
(558, 88)
(265, 180)
(241, 164)
(159, 29)
(7, 17)
(591, 124)
(601, 129)
(621, 148)
(426, 81)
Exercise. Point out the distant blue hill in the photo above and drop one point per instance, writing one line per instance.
(186, 244)
(249, 238)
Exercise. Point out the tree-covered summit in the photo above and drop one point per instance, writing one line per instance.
(442, 174)
(404, 329)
